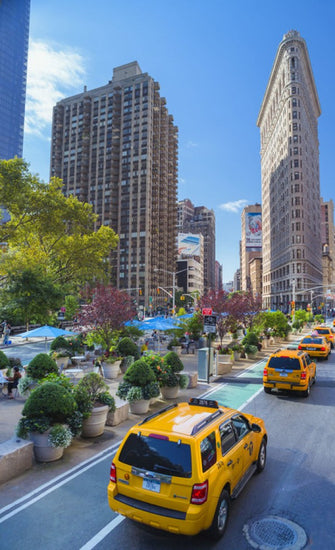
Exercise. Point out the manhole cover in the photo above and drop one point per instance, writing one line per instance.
(274, 533)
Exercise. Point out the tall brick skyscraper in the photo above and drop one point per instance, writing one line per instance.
(288, 123)
(116, 147)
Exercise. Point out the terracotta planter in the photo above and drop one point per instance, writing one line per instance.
(170, 392)
(43, 451)
(139, 407)
(94, 425)
(111, 370)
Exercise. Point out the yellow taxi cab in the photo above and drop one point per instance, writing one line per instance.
(327, 333)
(334, 323)
(291, 370)
(316, 346)
(178, 469)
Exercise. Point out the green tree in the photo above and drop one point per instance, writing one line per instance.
(50, 230)
(30, 295)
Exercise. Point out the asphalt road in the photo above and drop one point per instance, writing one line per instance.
(298, 484)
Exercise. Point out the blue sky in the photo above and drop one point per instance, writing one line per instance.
(212, 58)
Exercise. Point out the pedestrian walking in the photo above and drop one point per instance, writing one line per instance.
(7, 330)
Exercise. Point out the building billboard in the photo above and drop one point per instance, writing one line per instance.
(188, 244)
(253, 230)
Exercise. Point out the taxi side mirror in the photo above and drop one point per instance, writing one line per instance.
(256, 428)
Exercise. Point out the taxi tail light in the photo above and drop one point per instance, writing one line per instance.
(323, 348)
(303, 376)
(112, 475)
(199, 493)
(265, 372)
(299, 347)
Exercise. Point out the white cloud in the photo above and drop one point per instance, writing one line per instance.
(53, 73)
(234, 206)
(191, 145)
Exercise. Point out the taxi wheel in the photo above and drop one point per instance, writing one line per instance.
(220, 519)
(267, 390)
(307, 392)
(261, 461)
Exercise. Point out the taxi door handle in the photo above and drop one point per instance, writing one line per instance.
(246, 446)
(229, 463)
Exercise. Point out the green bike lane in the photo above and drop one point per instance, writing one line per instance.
(238, 391)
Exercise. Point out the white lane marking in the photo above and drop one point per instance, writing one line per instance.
(56, 483)
(102, 533)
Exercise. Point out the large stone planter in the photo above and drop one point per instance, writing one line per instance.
(111, 370)
(94, 425)
(177, 349)
(43, 450)
(170, 392)
(237, 355)
(62, 362)
(141, 406)
(224, 367)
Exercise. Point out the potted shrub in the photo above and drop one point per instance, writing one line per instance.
(94, 402)
(61, 358)
(129, 352)
(111, 366)
(46, 416)
(250, 350)
(236, 349)
(41, 365)
(170, 379)
(141, 377)
(174, 345)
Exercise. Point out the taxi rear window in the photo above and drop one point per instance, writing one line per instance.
(311, 341)
(323, 330)
(157, 455)
(290, 363)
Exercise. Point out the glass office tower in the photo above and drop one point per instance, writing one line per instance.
(14, 34)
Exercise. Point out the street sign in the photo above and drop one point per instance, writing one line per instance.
(207, 311)
(209, 323)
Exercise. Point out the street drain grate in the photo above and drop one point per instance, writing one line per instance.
(274, 533)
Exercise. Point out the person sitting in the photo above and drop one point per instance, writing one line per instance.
(13, 382)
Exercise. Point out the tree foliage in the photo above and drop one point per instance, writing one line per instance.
(47, 229)
(106, 311)
(30, 295)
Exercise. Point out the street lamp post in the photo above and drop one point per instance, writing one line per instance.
(173, 273)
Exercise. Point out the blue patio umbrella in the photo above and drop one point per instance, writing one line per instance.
(46, 332)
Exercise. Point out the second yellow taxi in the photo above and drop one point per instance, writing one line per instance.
(316, 346)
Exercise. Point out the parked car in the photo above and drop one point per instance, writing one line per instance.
(292, 370)
(178, 469)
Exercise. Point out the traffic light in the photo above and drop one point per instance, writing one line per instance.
(158, 290)
(140, 292)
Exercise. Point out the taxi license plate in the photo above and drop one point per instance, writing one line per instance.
(312, 349)
(151, 485)
(283, 374)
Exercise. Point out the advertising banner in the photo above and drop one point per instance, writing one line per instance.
(188, 244)
(253, 230)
